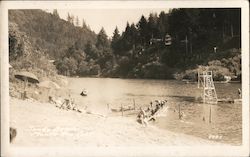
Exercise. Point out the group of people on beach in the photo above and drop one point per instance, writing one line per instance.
(67, 104)
(149, 114)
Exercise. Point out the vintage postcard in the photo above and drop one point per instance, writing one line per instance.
(124, 78)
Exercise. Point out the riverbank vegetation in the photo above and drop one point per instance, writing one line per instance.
(170, 45)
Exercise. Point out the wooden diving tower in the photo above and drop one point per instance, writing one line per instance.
(205, 79)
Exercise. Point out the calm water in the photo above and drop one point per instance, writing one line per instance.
(226, 118)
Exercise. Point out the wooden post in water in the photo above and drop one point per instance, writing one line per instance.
(134, 103)
(179, 111)
(198, 78)
(210, 114)
(122, 109)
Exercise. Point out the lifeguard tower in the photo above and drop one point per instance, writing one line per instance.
(205, 79)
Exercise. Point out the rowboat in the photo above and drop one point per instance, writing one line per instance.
(84, 93)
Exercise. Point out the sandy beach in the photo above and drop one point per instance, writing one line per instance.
(43, 124)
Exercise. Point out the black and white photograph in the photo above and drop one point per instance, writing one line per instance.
(125, 75)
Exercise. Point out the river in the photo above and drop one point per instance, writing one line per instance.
(226, 118)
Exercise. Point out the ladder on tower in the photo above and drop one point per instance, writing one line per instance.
(205, 79)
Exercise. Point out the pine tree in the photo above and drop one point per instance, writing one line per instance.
(69, 18)
(55, 13)
(133, 33)
(72, 19)
(152, 25)
(116, 36)
(84, 24)
(77, 21)
(143, 30)
(115, 40)
(102, 39)
(163, 24)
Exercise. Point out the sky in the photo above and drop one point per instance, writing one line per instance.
(108, 18)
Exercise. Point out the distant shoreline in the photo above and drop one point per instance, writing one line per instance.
(186, 81)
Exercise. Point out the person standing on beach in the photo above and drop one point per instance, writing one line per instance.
(239, 93)
(142, 117)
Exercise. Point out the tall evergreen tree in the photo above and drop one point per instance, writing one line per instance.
(77, 21)
(127, 38)
(163, 24)
(69, 18)
(72, 19)
(115, 38)
(143, 30)
(133, 34)
(116, 35)
(55, 13)
(102, 39)
(152, 25)
(84, 24)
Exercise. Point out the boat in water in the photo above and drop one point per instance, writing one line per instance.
(84, 92)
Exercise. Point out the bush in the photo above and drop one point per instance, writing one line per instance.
(220, 72)
(190, 75)
(156, 70)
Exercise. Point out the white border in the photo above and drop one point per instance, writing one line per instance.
(6, 150)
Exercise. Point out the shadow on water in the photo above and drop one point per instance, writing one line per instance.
(186, 98)
(178, 97)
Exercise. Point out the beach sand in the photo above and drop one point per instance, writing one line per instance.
(43, 124)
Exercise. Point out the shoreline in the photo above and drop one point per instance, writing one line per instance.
(40, 124)
(158, 79)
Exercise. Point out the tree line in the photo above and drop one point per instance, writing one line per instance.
(142, 50)
(197, 37)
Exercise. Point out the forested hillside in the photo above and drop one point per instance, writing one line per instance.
(161, 46)
(50, 33)
(76, 49)
(198, 37)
